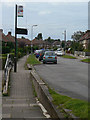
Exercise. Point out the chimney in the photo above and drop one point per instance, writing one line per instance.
(1, 30)
(9, 33)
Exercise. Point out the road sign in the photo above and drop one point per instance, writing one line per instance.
(20, 11)
(21, 31)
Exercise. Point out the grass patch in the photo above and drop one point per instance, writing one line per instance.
(77, 107)
(32, 60)
(86, 60)
(68, 56)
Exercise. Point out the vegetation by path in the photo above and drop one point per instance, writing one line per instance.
(32, 60)
(77, 107)
(86, 60)
(68, 56)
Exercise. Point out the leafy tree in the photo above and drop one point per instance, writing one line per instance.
(76, 46)
(49, 40)
(63, 44)
(77, 35)
(39, 36)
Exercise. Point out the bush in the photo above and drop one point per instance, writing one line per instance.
(86, 50)
(12, 56)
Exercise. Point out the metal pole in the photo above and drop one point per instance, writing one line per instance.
(65, 38)
(31, 38)
(15, 58)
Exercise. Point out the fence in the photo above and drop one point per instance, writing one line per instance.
(8, 67)
(80, 53)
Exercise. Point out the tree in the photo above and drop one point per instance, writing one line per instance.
(39, 36)
(77, 35)
(50, 40)
(63, 44)
(76, 46)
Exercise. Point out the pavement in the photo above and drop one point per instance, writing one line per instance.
(21, 103)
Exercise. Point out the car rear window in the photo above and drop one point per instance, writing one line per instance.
(50, 54)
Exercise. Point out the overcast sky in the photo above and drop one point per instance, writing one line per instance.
(52, 18)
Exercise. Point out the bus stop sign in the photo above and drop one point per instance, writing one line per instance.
(21, 31)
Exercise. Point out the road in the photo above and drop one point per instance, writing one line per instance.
(68, 77)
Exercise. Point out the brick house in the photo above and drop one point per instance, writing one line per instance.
(10, 38)
(85, 39)
(23, 42)
(56, 44)
(39, 43)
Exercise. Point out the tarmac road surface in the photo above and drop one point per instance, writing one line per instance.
(68, 77)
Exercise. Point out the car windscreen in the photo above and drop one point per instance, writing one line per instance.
(50, 54)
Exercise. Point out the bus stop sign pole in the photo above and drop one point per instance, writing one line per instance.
(15, 58)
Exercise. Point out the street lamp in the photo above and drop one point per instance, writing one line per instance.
(64, 38)
(32, 36)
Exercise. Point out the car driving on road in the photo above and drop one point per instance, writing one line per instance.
(49, 56)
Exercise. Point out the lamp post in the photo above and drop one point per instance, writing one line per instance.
(32, 36)
(64, 38)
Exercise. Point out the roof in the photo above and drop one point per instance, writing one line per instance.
(36, 41)
(24, 40)
(86, 36)
(56, 43)
(10, 38)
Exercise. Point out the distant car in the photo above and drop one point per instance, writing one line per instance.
(49, 56)
(60, 53)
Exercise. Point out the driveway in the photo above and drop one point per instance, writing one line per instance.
(68, 77)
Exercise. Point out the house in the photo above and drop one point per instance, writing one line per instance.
(39, 43)
(56, 44)
(6, 38)
(85, 39)
(9, 38)
(23, 42)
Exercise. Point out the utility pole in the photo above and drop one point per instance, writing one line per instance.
(65, 38)
(15, 58)
(32, 37)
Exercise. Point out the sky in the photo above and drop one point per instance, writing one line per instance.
(52, 18)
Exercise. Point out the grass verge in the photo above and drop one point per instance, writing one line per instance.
(31, 60)
(68, 56)
(86, 60)
(77, 107)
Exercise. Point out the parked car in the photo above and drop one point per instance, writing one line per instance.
(60, 53)
(37, 53)
(49, 56)
(41, 55)
(55, 52)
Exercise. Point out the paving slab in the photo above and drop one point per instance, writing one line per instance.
(21, 103)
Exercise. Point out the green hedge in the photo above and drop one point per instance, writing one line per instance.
(3, 58)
